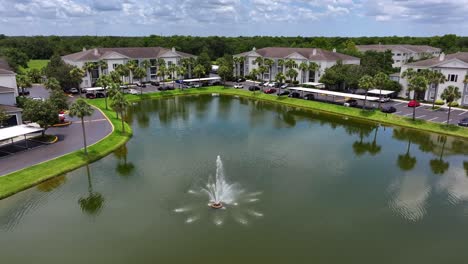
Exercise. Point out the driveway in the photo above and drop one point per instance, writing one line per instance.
(70, 138)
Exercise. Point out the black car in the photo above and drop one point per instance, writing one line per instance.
(283, 93)
(154, 83)
(294, 95)
(100, 95)
(351, 102)
(25, 92)
(388, 109)
(463, 122)
(241, 80)
(216, 83)
(254, 88)
(90, 96)
(309, 97)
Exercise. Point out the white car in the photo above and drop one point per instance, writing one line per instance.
(272, 84)
(74, 90)
(38, 99)
(133, 91)
(196, 85)
(238, 86)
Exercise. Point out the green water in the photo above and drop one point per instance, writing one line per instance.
(317, 189)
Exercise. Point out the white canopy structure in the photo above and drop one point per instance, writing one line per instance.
(203, 79)
(314, 84)
(16, 131)
(332, 93)
(377, 91)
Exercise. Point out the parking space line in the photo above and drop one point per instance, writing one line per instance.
(432, 119)
(398, 112)
(421, 116)
(408, 114)
(463, 113)
(398, 104)
(445, 121)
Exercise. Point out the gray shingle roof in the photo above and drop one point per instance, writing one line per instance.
(133, 53)
(321, 54)
(463, 56)
(402, 47)
(10, 109)
(4, 89)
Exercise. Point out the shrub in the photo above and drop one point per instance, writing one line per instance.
(295, 82)
(453, 104)
(439, 102)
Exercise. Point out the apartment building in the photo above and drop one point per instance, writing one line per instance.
(8, 94)
(401, 54)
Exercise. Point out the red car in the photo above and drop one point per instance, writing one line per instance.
(270, 91)
(413, 103)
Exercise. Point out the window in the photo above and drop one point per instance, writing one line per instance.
(114, 65)
(397, 61)
(398, 54)
(452, 78)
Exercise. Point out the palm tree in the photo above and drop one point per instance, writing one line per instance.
(146, 64)
(416, 84)
(236, 61)
(88, 67)
(162, 72)
(91, 204)
(115, 77)
(281, 64)
(408, 74)
(104, 82)
(435, 78)
(124, 168)
(366, 83)
(279, 78)
(290, 64)
(380, 79)
(123, 71)
(269, 64)
(102, 66)
(52, 84)
(199, 71)
(258, 61)
(292, 74)
(313, 67)
(173, 70)
(181, 71)
(261, 71)
(450, 94)
(439, 166)
(303, 67)
(119, 104)
(23, 81)
(140, 73)
(81, 109)
(131, 65)
(254, 73)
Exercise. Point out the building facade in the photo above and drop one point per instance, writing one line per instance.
(323, 58)
(8, 94)
(453, 66)
(401, 54)
(112, 57)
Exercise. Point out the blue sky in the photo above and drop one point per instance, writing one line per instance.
(234, 17)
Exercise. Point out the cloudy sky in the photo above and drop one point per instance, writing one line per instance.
(234, 17)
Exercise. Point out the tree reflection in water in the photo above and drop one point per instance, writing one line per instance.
(94, 201)
(124, 168)
(52, 184)
(439, 166)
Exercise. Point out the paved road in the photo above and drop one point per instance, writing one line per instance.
(70, 139)
(426, 113)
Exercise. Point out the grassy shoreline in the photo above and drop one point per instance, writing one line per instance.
(28, 177)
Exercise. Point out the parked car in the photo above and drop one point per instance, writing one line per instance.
(286, 92)
(384, 99)
(241, 79)
(294, 95)
(170, 87)
(284, 86)
(133, 91)
(90, 95)
(38, 98)
(270, 91)
(413, 103)
(74, 91)
(271, 84)
(351, 102)
(261, 84)
(25, 92)
(388, 109)
(142, 85)
(309, 97)
(254, 88)
(196, 85)
(154, 83)
(216, 83)
(100, 95)
(238, 86)
(463, 122)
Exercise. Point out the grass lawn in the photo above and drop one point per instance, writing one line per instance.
(28, 177)
(35, 64)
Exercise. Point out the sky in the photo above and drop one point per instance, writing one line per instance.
(234, 17)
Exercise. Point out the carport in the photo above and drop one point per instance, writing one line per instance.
(378, 92)
(10, 133)
(333, 94)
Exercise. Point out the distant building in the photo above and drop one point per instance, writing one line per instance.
(8, 94)
(324, 58)
(453, 66)
(115, 56)
(401, 54)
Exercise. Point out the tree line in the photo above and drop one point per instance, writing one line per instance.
(43, 47)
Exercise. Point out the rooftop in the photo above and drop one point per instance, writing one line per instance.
(10, 108)
(5, 68)
(462, 56)
(309, 53)
(402, 47)
(133, 53)
(6, 89)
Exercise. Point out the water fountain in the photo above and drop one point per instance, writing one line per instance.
(219, 191)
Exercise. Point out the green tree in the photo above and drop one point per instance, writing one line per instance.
(102, 66)
(162, 70)
(205, 61)
(290, 63)
(58, 69)
(224, 72)
(3, 116)
(58, 99)
(380, 80)
(303, 67)
(88, 67)
(373, 62)
(173, 70)
(15, 58)
(450, 94)
(35, 75)
(146, 64)
(131, 66)
(80, 108)
(123, 71)
(181, 71)
(140, 73)
(366, 83)
(44, 113)
(417, 84)
(23, 82)
(291, 73)
(104, 82)
(119, 104)
(199, 71)
(76, 77)
(52, 84)
(124, 168)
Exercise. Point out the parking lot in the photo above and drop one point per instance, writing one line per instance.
(426, 113)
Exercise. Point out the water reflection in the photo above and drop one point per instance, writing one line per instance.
(52, 184)
(94, 201)
(124, 168)
(439, 166)
(405, 162)
(410, 195)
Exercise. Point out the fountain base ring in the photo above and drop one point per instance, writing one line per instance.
(216, 205)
